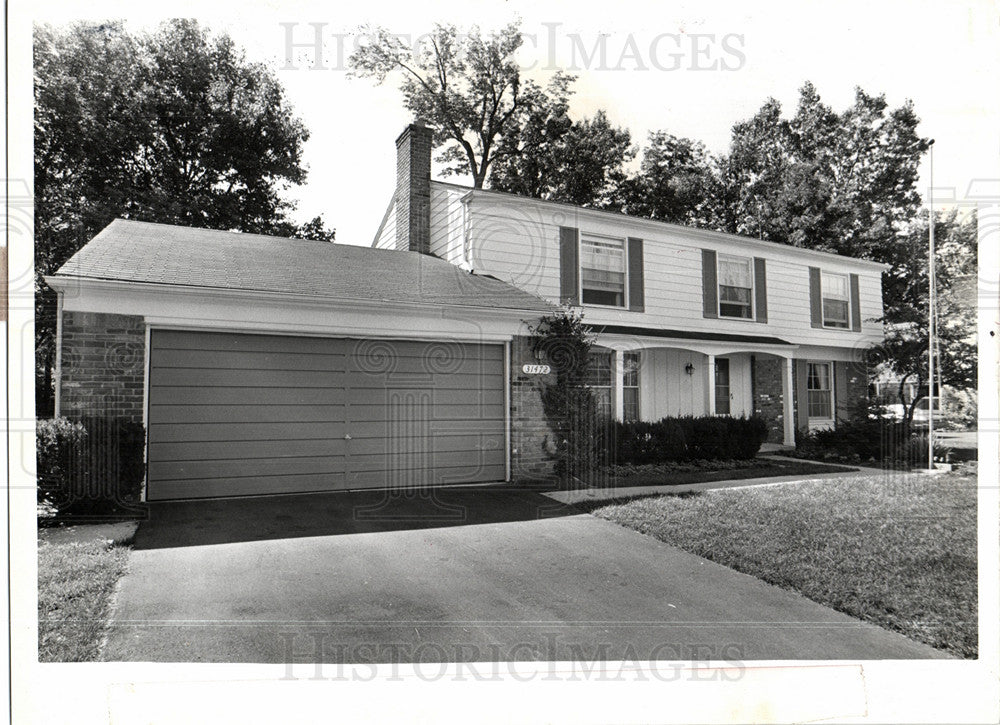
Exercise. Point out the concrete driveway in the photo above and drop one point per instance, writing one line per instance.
(477, 574)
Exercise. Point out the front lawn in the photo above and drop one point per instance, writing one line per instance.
(679, 473)
(75, 585)
(898, 550)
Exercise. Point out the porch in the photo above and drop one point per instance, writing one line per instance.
(641, 377)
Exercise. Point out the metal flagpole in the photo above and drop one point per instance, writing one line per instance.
(930, 314)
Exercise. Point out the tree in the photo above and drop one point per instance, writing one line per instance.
(676, 182)
(173, 126)
(843, 183)
(904, 352)
(551, 157)
(468, 88)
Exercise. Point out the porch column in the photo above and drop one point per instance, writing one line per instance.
(710, 383)
(619, 395)
(787, 389)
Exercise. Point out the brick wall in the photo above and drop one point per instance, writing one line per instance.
(103, 365)
(855, 376)
(413, 189)
(768, 399)
(531, 438)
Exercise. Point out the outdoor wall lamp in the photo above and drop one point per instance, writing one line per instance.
(689, 368)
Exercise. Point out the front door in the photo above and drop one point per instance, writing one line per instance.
(722, 394)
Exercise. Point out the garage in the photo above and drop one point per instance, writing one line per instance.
(235, 414)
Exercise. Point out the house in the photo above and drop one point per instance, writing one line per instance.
(690, 321)
(262, 365)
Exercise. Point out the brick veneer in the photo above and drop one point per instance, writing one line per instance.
(103, 365)
(856, 389)
(413, 189)
(532, 440)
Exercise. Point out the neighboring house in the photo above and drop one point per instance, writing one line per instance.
(264, 365)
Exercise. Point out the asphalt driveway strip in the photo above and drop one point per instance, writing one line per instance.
(474, 574)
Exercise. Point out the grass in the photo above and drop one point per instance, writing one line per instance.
(676, 474)
(75, 585)
(896, 550)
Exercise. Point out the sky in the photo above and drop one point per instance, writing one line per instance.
(690, 68)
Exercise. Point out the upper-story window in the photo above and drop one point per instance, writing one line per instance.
(602, 271)
(836, 300)
(735, 287)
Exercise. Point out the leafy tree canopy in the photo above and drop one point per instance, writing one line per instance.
(468, 87)
(172, 126)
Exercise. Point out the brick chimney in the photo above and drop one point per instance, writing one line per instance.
(413, 189)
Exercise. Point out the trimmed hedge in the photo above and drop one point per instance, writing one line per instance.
(688, 438)
(91, 467)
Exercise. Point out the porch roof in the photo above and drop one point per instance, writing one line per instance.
(689, 335)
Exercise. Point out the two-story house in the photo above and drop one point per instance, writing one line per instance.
(261, 365)
(690, 321)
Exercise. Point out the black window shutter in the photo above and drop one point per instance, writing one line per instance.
(760, 288)
(569, 265)
(636, 285)
(855, 303)
(815, 297)
(709, 283)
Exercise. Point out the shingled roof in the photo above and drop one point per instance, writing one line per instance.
(131, 251)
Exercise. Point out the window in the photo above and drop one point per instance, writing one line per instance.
(601, 381)
(836, 301)
(630, 387)
(602, 271)
(735, 287)
(819, 382)
(722, 386)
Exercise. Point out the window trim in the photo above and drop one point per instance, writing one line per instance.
(833, 393)
(579, 270)
(719, 257)
(822, 309)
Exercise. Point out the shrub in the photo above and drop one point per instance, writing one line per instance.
(58, 442)
(869, 439)
(564, 342)
(92, 467)
(688, 438)
(963, 408)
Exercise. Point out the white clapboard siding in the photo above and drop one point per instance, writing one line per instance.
(385, 237)
(447, 214)
(517, 240)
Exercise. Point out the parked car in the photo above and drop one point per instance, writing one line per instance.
(921, 413)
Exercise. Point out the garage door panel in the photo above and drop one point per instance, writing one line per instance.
(403, 458)
(225, 377)
(234, 414)
(246, 342)
(180, 432)
(231, 449)
(181, 395)
(246, 413)
(252, 360)
(223, 468)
